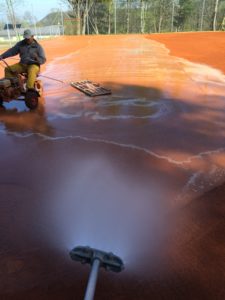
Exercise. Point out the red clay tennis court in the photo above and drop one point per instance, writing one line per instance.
(139, 172)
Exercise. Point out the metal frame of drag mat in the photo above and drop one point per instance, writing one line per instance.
(90, 88)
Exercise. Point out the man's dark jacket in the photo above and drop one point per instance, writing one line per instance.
(29, 53)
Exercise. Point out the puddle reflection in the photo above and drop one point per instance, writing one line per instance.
(17, 118)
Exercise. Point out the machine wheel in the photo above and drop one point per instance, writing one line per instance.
(31, 99)
(39, 87)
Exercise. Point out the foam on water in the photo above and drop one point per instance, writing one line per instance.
(137, 108)
(200, 182)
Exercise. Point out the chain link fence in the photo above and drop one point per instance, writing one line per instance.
(9, 37)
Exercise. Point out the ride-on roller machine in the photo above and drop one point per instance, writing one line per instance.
(15, 89)
(96, 258)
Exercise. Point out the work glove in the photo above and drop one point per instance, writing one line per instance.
(34, 56)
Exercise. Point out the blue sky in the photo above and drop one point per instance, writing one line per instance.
(40, 7)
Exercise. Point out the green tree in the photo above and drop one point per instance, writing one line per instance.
(185, 8)
(140, 16)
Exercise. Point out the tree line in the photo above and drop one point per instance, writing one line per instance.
(144, 16)
(127, 16)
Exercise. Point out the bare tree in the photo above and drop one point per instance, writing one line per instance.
(28, 17)
(172, 17)
(223, 24)
(110, 9)
(202, 15)
(128, 15)
(11, 12)
(115, 16)
(215, 14)
(75, 6)
(163, 9)
(94, 19)
(144, 6)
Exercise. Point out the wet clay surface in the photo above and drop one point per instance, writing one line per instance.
(201, 47)
(135, 173)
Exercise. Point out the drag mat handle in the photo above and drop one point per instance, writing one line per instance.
(53, 79)
(92, 281)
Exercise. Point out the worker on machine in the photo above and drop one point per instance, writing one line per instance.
(31, 54)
